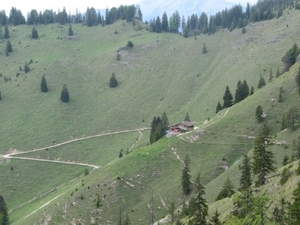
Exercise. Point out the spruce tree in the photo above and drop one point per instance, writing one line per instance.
(70, 33)
(157, 130)
(34, 33)
(204, 49)
(294, 210)
(245, 89)
(227, 98)
(187, 117)
(214, 220)
(113, 81)
(245, 179)
(258, 114)
(6, 32)
(227, 190)
(26, 68)
(263, 160)
(298, 80)
(279, 212)
(219, 107)
(3, 211)
(165, 121)
(200, 204)
(292, 117)
(186, 176)
(252, 90)
(277, 73)
(44, 87)
(283, 122)
(8, 46)
(261, 82)
(64, 96)
(239, 92)
(271, 75)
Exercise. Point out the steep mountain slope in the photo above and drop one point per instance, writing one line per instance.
(162, 72)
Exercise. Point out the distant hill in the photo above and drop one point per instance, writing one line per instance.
(151, 9)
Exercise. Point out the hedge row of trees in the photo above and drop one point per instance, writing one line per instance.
(90, 18)
(232, 18)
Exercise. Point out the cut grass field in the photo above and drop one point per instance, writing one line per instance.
(162, 72)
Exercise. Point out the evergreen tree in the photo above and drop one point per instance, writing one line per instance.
(200, 204)
(258, 114)
(26, 68)
(127, 220)
(252, 90)
(113, 81)
(64, 96)
(227, 190)
(34, 33)
(214, 220)
(263, 160)
(165, 23)
(44, 87)
(285, 160)
(283, 122)
(290, 57)
(204, 49)
(245, 89)
(279, 212)
(239, 92)
(129, 44)
(3, 211)
(157, 130)
(271, 75)
(245, 179)
(165, 121)
(298, 80)
(219, 107)
(294, 210)
(6, 32)
(296, 148)
(8, 46)
(292, 117)
(261, 82)
(70, 33)
(158, 24)
(186, 176)
(227, 98)
(244, 30)
(187, 117)
(280, 97)
(277, 73)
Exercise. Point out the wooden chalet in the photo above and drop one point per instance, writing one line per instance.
(180, 128)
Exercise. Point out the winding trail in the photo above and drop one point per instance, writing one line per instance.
(13, 154)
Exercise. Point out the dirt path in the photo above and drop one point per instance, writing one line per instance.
(175, 153)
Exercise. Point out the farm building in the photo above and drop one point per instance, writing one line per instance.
(180, 128)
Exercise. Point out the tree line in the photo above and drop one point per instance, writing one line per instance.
(91, 17)
(235, 17)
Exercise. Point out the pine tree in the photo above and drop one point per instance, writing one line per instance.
(214, 220)
(227, 98)
(44, 87)
(277, 73)
(157, 130)
(6, 32)
(294, 210)
(252, 90)
(3, 211)
(219, 107)
(279, 212)
(165, 23)
(261, 82)
(245, 179)
(298, 80)
(292, 117)
(186, 176)
(165, 121)
(204, 49)
(8, 46)
(113, 81)
(26, 68)
(263, 160)
(64, 96)
(70, 33)
(127, 220)
(245, 92)
(271, 75)
(243, 30)
(34, 33)
(258, 114)
(187, 117)
(200, 204)
(238, 93)
(227, 190)
(283, 122)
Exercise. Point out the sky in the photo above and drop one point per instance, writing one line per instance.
(71, 6)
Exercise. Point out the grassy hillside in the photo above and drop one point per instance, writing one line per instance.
(162, 72)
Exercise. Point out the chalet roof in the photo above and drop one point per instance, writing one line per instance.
(187, 123)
